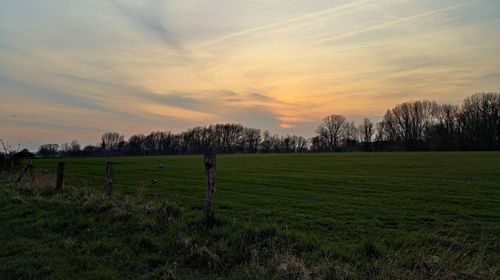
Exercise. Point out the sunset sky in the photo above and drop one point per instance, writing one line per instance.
(75, 69)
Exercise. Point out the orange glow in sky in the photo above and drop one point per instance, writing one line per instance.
(76, 70)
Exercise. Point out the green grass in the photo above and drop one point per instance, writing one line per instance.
(350, 215)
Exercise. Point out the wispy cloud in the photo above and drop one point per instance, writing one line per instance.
(136, 66)
(285, 24)
(174, 99)
(259, 96)
(387, 23)
(148, 16)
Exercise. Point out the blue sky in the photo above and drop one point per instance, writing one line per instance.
(75, 69)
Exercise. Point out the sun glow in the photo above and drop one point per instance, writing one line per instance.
(172, 65)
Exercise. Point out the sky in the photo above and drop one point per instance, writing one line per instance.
(76, 69)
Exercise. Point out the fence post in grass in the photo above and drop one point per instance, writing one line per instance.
(108, 180)
(210, 162)
(60, 175)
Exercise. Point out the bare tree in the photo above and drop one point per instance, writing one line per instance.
(351, 136)
(135, 144)
(421, 125)
(446, 129)
(380, 132)
(8, 159)
(410, 123)
(251, 140)
(65, 148)
(366, 133)
(265, 144)
(111, 141)
(332, 130)
(479, 121)
(48, 150)
(75, 147)
(302, 144)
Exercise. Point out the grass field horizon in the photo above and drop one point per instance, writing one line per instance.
(316, 190)
(344, 139)
(409, 205)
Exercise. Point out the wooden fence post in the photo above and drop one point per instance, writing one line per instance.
(60, 175)
(210, 164)
(108, 180)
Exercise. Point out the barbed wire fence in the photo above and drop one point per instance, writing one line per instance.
(109, 179)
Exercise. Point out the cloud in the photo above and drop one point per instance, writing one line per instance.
(33, 123)
(135, 66)
(50, 94)
(208, 101)
(258, 117)
(148, 17)
(491, 77)
(261, 97)
(385, 24)
(181, 100)
(283, 25)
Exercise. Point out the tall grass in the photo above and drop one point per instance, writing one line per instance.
(77, 233)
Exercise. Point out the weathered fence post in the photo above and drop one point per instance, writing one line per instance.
(108, 180)
(60, 175)
(210, 162)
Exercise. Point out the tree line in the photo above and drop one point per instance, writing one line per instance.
(409, 126)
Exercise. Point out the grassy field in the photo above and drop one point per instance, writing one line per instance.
(348, 215)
